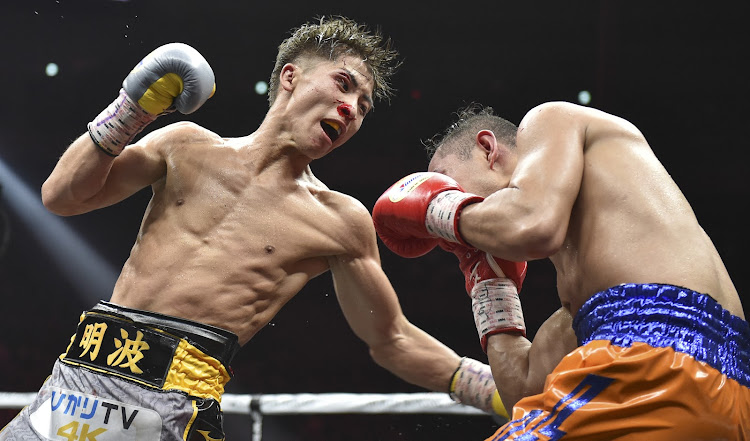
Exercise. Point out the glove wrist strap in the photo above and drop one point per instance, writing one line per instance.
(118, 124)
(497, 308)
(472, 384)
(443, 212)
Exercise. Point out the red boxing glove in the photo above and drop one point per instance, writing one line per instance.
(493, 285)
(417, 210)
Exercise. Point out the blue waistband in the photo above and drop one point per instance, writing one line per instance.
(668, 316)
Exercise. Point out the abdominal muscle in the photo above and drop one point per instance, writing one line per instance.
(221, 261)
(240, 295)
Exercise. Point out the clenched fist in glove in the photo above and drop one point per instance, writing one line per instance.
(174, 76)
(419, 210)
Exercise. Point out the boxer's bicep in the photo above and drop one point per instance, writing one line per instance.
(137, 167)
(365, 294)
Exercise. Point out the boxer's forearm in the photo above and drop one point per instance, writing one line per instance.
(520, 367)
(79, 175)
(417, 358)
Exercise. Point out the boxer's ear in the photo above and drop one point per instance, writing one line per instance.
(289, 76)
(486, 141)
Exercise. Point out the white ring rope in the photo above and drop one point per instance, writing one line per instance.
(326, 403)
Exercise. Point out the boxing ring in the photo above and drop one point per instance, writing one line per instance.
(257, 406)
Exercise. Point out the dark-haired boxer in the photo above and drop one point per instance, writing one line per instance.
(664, 350)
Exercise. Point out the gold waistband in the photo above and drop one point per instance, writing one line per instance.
(145, 355)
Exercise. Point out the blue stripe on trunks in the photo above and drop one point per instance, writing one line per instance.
(668, 316)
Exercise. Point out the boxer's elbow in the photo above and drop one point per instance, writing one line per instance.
(540, 237)
(51, 198)
(55, 200)
(390, 343)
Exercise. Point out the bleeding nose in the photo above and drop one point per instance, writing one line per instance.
(346, 111)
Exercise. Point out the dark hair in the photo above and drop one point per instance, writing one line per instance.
(330, 38)
(470, 120)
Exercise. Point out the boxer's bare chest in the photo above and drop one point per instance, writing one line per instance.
(226, 202)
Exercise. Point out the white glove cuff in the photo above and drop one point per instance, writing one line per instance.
(441, 217)
(497, 308)
(473, 385)
(118, 124)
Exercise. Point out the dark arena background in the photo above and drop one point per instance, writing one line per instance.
(676, 69)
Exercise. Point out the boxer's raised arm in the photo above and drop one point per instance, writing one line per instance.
(93, 172)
